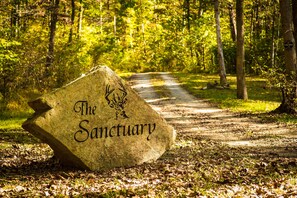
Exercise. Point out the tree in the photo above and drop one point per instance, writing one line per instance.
(72, 20)
(222, 69)
(232, 22)
(294, 5)
(289, 88)
(52, 34)
(241, 85)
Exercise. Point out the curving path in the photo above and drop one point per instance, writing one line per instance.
(196, 118)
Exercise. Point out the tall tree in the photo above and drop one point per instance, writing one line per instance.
(14, 20)
(222, 69)
(232, 21)
(72, 20)
(52, 34)
(289, 89)
(294, 5)
(241, 85)
(80, 18)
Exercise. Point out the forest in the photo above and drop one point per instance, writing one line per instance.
(47, 43)
(222, 74)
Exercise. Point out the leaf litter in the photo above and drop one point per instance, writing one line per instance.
(199, 164)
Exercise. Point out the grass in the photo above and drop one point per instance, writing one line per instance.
(10, 120)
(261, 99)
(194, 167)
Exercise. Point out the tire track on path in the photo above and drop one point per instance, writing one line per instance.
(196, 118)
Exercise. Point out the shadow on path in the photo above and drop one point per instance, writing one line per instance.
(193, 117)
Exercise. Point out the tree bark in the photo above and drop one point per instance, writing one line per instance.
(289, 89)
(53, 27)
(232, 22)
(80, 16)
(222, 69)
(294, 5)
(72, 21)
(187, 7)
(241, 85)
(272, 54)
(14, 20)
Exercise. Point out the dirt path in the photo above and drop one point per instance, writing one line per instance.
(193, 117)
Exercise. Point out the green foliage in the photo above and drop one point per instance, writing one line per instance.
(8, 61)
(12, 120)
(131, 36)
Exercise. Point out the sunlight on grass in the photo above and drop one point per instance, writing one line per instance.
(13, 123)
(13, 119)
(4, 145)
(250, 106)
(261, 98)
(125, 75)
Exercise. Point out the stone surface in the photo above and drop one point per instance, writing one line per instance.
(98, 122)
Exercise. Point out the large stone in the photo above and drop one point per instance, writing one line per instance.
(98, 122)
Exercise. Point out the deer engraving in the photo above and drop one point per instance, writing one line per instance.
(116, 99)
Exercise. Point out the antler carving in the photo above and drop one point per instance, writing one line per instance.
(117, 100)
(107, 93)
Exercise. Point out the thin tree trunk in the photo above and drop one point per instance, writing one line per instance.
(14, 20)
(294, 5)
(187, 5)
(273, 37)
(80, 16)
(241, 85)
(72, 20)
(232, 22)
(222, 69)
(53, 27)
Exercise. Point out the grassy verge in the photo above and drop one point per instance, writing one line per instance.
(262, 98)
(13, 120)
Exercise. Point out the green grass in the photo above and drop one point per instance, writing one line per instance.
(13, 120)
(125, 75)
(261, 99)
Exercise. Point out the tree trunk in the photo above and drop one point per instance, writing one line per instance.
(14, 20)
(294, 4)
(222, 69)
(241, 85)
(72, 20)
(232, 22)
(80, 16)
(272, 54)
(53, 27)
(187, 7)
(289, 90)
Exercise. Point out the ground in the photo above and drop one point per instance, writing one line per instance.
(191, 116)
(217, 153)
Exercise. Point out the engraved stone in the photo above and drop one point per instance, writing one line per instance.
(98, 122)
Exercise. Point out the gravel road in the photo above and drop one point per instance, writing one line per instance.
(193, 117)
